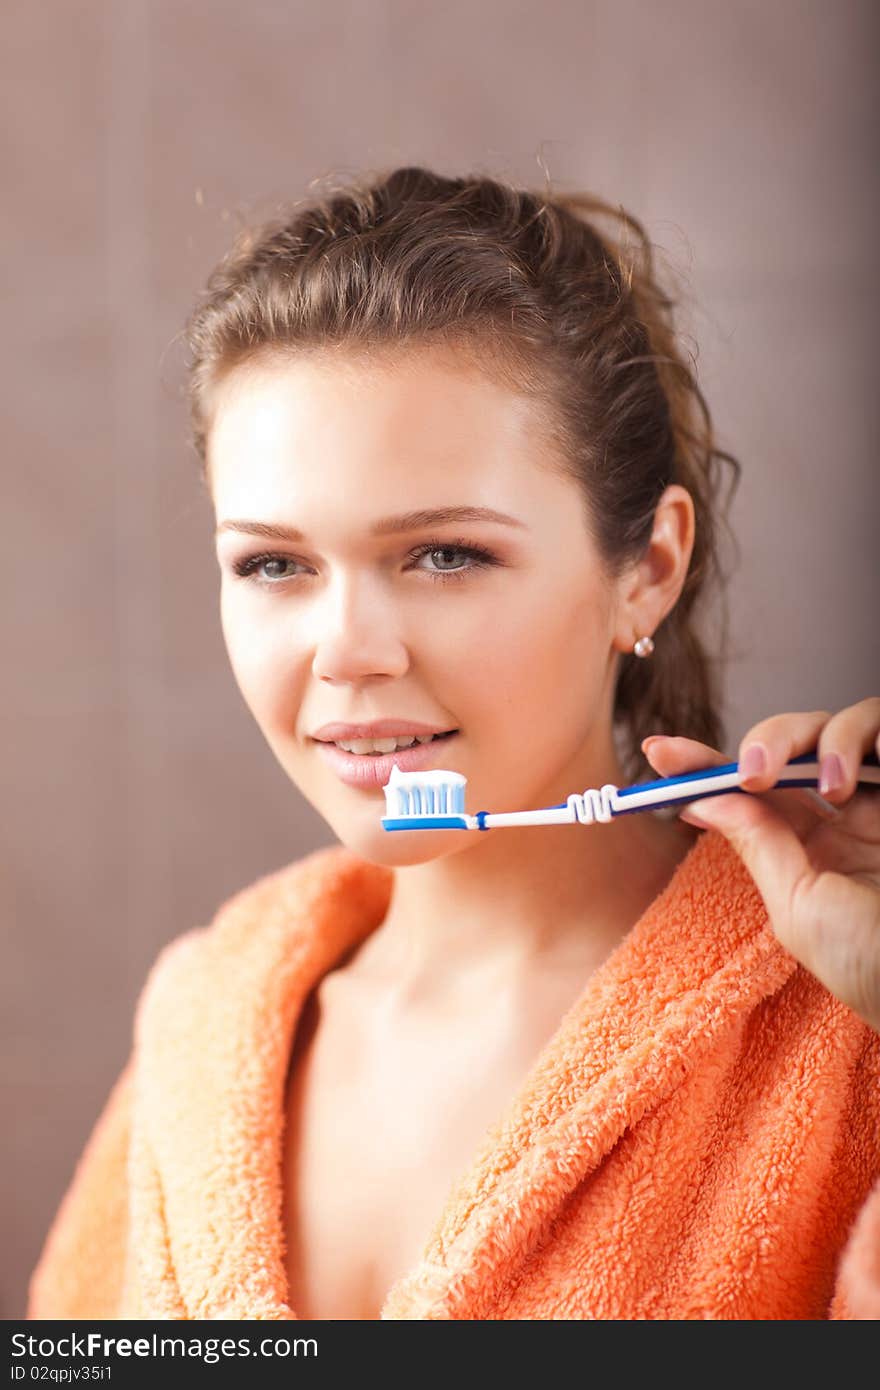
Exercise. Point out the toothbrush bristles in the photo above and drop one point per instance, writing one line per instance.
(434, 793)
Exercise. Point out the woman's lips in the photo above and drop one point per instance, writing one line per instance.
(366, 770)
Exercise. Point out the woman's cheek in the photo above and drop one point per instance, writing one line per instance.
(262, 664)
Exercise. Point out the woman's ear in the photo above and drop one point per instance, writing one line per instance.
(649, 589)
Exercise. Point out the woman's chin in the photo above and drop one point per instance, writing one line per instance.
(401, 848)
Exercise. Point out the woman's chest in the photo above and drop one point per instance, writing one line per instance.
(374, 1143)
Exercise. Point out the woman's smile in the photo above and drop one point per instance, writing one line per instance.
(367, 771)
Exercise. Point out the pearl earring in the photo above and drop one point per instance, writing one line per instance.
(643, 647)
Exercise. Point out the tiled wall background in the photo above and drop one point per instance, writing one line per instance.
(138, 793)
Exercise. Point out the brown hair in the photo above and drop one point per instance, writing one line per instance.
(528, 287)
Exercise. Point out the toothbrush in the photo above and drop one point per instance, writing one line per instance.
(435, 800)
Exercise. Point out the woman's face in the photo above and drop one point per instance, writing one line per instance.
(510, 645)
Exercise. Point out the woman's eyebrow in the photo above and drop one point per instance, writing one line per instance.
(389, 525)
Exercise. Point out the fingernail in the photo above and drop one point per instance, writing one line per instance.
(753, 761)
(830, 774)
(694, 818)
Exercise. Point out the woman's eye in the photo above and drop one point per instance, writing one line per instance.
(478, 558)
(445, 564)
(249, 567)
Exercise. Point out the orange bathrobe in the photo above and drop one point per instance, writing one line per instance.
(699, 1139)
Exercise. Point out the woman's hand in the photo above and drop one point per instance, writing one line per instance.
(816, 865)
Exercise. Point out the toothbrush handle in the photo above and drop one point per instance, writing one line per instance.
(608, 802)
(802, 771)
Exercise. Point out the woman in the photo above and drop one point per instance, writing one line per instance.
(464, 485)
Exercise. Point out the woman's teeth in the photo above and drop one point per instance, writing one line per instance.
(383, 745)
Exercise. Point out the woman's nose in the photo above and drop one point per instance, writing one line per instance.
(356, 635)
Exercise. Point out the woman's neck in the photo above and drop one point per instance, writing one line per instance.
(521, 900)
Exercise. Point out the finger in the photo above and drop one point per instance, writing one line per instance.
(777, 739)
(768, 745)
(843, 743)
(673, 756)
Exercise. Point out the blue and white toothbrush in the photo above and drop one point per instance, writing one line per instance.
(435, 800)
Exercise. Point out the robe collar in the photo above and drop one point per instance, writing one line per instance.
(214, 1030)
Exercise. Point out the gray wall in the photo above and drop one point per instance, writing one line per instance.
(139, 794)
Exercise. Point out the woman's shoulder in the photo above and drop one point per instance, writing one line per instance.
(714, 928)
(816, 1060)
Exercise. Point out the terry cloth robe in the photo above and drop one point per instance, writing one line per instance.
(699, 1139)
